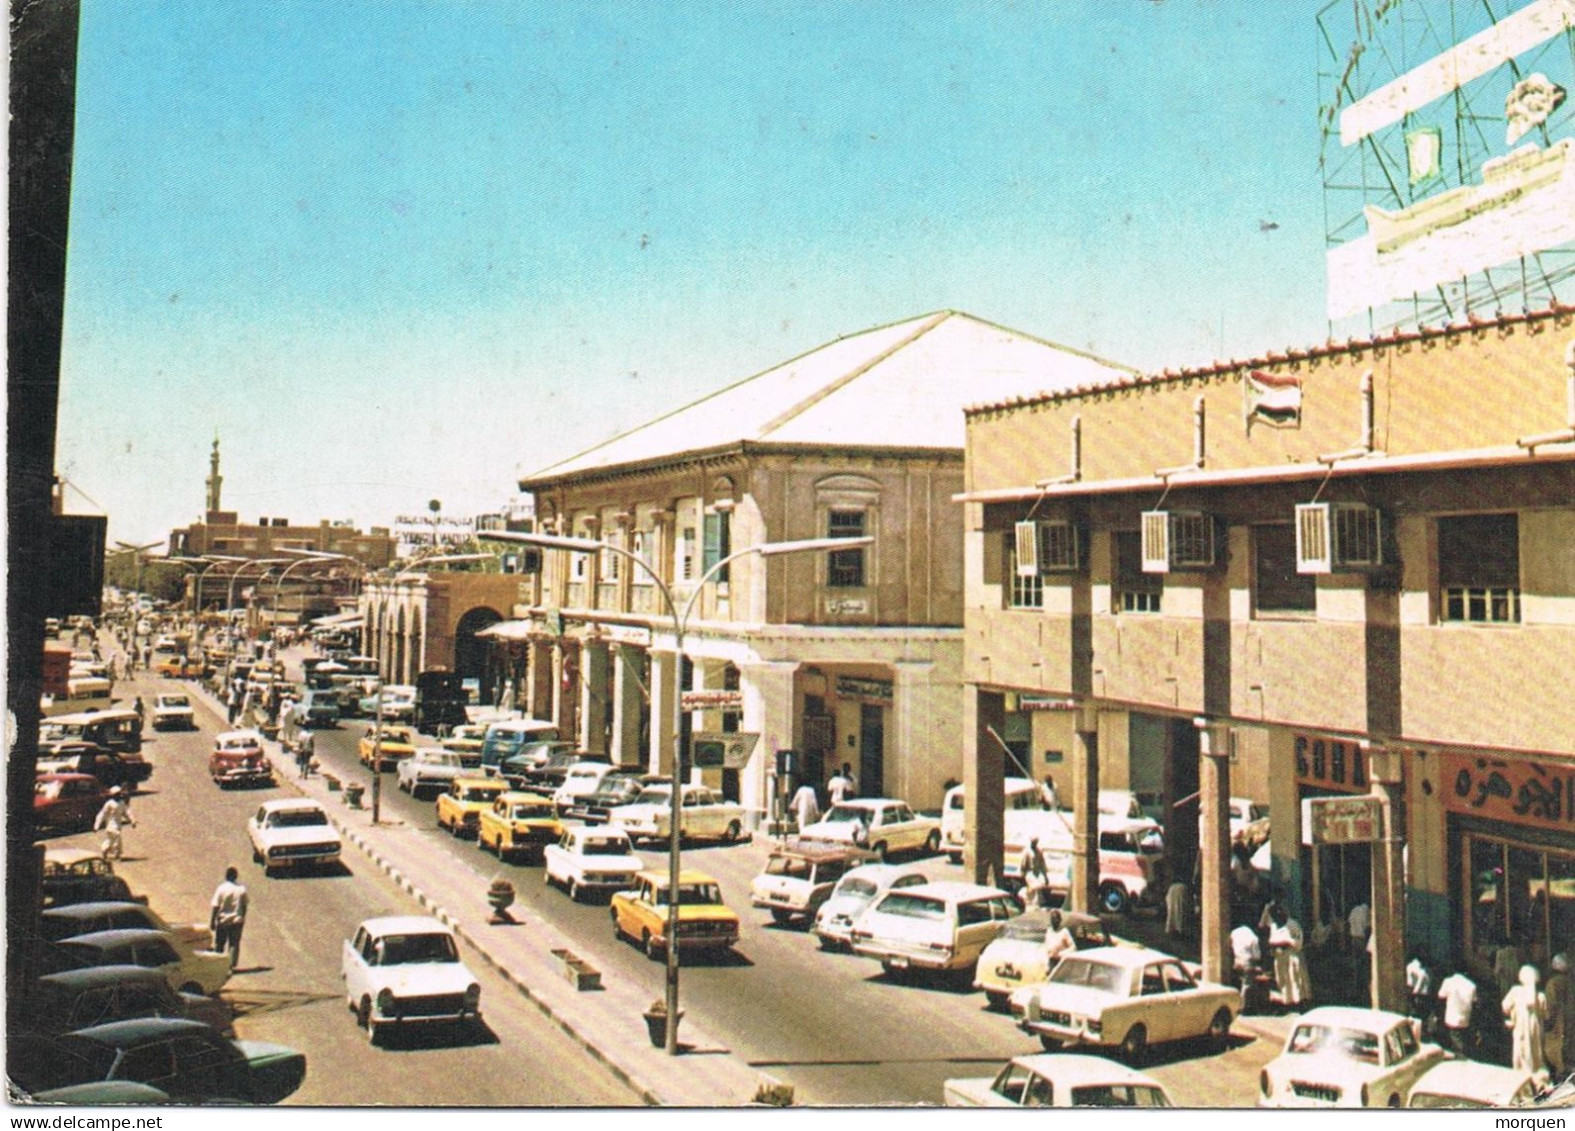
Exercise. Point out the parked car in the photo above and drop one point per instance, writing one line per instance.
(173, 711)
(110, 767)
(459, 807)
(178, 667)
(1019, 795)
(882, 824)
(66, 802)
(117, 727)
(542, 768)
(77, 999)
(1016, 958)
(1125, 998)
(1058, 1080)
(69, 920)
(238, 759)
(705, 922)
(800, 876)
(1454, 1084)
(517, 824)
(589, 858)
(507, 737)
(186, 1060)
(406, 970)
(433, 768)
(81, 875)
(319, 707)
(580, 780)
(385, 752)
(399, 702)
(933, 927)
(292, 833)
(1131, 858)
(186, 968)
(1343, 1056)
(853, 895)
(703, 815)
(466, 739)
(621, 787)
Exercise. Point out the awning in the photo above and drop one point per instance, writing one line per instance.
(508, 630)
(338, 620)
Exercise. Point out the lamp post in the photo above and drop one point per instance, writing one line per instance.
(307, 557)
(212, 560)
(229, 600)
(680, 619)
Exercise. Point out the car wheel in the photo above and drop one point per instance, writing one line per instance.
(617, 928)
(648, 944)
(880, 851)
(1219, 1028)
(932, 843)
(1049, 1043)
(1134, 1046)
(1113, 898)
(192, 988)
(1394, 1101)
(781, 917)
(733, 832)
(574, 890)
(998, 1001)
(257, 857)
(363, 1016)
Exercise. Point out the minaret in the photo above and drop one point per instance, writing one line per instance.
(215, 480)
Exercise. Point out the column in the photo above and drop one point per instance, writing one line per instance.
(560, 706)
(595, 695)
(1389, 926)
(538, 679)
(664, 710)
(912, 722)
(1084, 895)
(768, 690)
(984, 785)
(1214, 848)
(628, 696)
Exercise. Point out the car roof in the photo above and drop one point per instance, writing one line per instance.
(870, 802)
(251, 735)
(65, 777)
(686, 876)
(122, 1034)
(118, 937)
(1128, 956)
(953, 889)
(492, 783)
(1075, 1068)
(406, 925)
(296, 803)
(69, 856)
(1352, 1017)
(818, 850)
(91, 910)
(513, 795)
(1037, 915)
(1472, 1078)
(89, 977)
(878, 872)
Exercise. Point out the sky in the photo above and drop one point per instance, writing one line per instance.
(390, 251)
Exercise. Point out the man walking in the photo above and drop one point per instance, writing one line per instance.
(111, 819)
(841, 787)
(228, 917)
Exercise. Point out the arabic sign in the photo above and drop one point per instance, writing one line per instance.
(1331, 763)
(1342, 820)
(712, 701)
(722, 750)
(1539, 794)
(852, 687)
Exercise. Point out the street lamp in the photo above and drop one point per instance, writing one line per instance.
(212, 560)
(229, 600)
(680, 620)
(307, 557)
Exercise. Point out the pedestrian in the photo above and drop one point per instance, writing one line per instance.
(1177, 897)
(305, 747)
(841, 787)
(1525, 1015)
(227, 919)
(1419, 986)
(1561, 1001)
(112, 818)
(1058, 940)
(1246, 955)
(1459, 995)
(1048, 798)
(1506, 965)
(805, 806)
(1290, 970)
(1035, 876)
(1357, 923)
(140, 708)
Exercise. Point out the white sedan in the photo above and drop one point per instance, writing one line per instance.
(882, 824)
(432, 769)
(703, 815)
(292, 833)
(591, 858)
(173, 712)
(1058, 1080)
(1343, 1056)
(405, 970)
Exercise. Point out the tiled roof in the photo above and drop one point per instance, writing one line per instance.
(898, 386)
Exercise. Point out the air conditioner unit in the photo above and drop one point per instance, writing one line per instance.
(1178, 540)
(1338, 537)
(1026, 535)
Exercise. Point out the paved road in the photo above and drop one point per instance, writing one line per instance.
(288, 987)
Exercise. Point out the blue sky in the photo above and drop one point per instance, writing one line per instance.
(397, 250)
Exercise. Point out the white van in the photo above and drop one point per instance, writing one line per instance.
(1022, 795)
(1131, 857)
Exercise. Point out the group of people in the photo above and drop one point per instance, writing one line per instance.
(805, 803)
(1282, 937)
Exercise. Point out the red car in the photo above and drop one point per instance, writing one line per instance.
(238, 759)
(67, 802)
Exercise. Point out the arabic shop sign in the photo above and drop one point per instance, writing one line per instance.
(1539, 794)
(1342, 820)
(853, 687)
(1331, 763)
(715, 700)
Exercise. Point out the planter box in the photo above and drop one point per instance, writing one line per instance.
(580, 973)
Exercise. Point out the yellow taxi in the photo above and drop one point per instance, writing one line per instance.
(178, 667)
(518, 824)
(397, 742)
(704, 921)
(459, 807)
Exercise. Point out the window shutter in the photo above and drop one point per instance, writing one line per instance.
(712, 551)
(1027, 534)
(1060, 547)
(1156, 541)
(1314, 544)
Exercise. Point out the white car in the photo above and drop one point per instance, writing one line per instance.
(292, 833)
(1457, 1084)
(853, 895)
(1125, 998)
(580, 781)
(1058, 1080)
(399, 702)
(703, 815)
(173, 712)
(1017, 957)
(185, 968)
(1345, 1056)
(936, 927)
(882, 824)
(405, 970)
(800, 876)
(591, 858)
(431, 768)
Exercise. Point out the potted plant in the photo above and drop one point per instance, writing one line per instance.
(656, 1022)
(501, 896)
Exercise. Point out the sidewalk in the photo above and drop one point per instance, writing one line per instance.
(607, 1022)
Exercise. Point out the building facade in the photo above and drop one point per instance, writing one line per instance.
(849, 657)
(1342, 572)
(433, 620)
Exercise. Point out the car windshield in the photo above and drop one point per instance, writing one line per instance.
(603, 846)
(298, 818)
(174, 701)
(659, 796)
(1352, 1043)
(795, 866)
(1118, 1095)
(857, 886)
(847, 813)
(1097, 975)
(912, 906)
(690, 895)
(408, 950)
(524, 810)
(478, 793)
(1028, 928)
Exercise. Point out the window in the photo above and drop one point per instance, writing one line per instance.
(686, 554)
(1277, 587)
(718, 542)
(1479, 568)
(1027, 592)
(1134, 590)
(640, 546)
(845, 568)
(610, 557)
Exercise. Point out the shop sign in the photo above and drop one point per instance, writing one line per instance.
(852, 687)
(1045, 703)
(1522, 793)
(718, 750)
(1342, 820)
(1331, 763)
(847, 606)
(711, 701)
